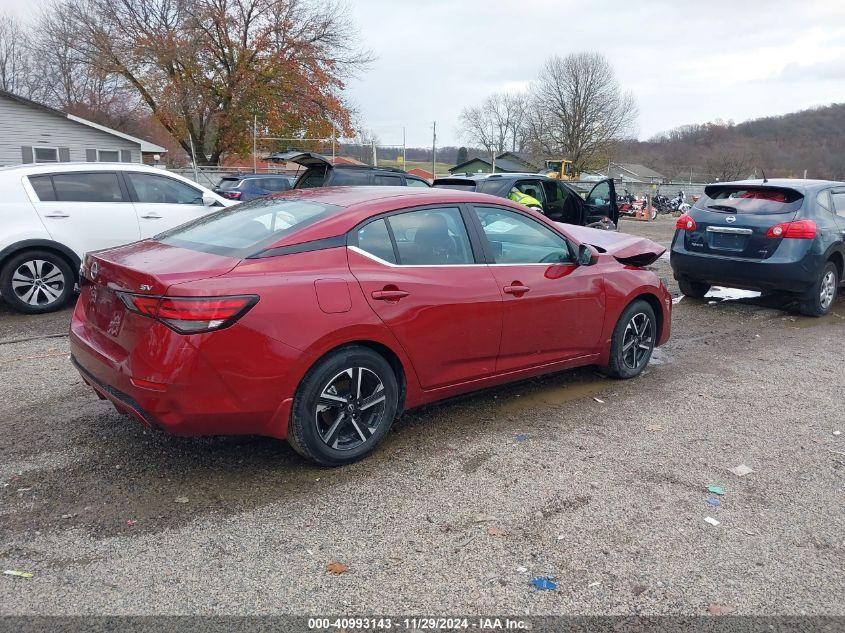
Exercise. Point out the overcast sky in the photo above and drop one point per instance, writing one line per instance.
(685, 61)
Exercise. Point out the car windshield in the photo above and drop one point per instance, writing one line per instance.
(245, 229)
(750, 200)
(226, 184)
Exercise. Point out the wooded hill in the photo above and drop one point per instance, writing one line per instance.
(783, 146)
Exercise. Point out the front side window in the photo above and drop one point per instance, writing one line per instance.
(245, 229)
(87, 187)
(150, 188)
(431, 237)
(413, 182)
(600, 195)
(516, 239)
(46, 154)
(531, 188)
(374, 238)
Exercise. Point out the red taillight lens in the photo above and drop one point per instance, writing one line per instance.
(232, 195)
(798, 230)
(190, 315)
(685, 223)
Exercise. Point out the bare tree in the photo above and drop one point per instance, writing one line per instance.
(578, 109)
(14, 56)
(728, 164)
(497, 124)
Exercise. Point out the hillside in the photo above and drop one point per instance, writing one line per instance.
(812, 140)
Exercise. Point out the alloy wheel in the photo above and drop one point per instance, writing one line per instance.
(638, 341)
(350, 408)
(828, 290)
(38, 282)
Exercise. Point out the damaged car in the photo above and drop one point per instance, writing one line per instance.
(320, 315)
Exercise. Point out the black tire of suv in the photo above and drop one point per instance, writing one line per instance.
(617, 367)
(693, 289)
(303, 435)
(812, 304)
(56, 261)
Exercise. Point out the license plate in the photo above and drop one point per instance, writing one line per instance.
(726, 241)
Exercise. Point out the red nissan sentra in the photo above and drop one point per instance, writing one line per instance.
(320, 315)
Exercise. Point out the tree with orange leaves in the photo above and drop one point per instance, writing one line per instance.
(206, 68)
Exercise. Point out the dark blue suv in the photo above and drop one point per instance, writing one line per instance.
(246, 187)
(781, 235)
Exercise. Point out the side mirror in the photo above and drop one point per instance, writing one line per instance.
(587, 255)
(208, 199)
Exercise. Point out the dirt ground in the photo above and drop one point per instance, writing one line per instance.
(598, 484)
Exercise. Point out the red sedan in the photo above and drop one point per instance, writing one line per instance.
(321, 314)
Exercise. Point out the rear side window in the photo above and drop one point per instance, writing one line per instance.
(431, 237)
(374, 238)
(314, 177)
(274, 184)
(387, 181)
(87, 187)
(838, 198)
(413, 182)
(350, 178)
(750, 200)
(43, 187)
(150, 188)
(245, 229)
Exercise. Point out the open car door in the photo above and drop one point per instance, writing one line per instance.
(601, 203)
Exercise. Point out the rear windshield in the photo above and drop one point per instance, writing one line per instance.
(752, 200)
(226, 184)
(245, 229)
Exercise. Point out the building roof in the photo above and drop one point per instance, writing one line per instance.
(516, 157)
(146, 146)
(457, 168)
(628, 170)
(422, 173)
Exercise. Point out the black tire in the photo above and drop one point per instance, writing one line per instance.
(323, 426)
(693, 289)
(822, 295)
(634, 338)
(54, 273)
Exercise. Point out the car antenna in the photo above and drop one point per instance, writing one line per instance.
(765, 180)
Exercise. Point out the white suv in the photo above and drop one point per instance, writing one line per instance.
(52, 214)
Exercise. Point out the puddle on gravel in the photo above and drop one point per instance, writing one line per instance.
(552, 394)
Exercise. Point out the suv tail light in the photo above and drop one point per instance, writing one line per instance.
(231, 195)
(190, 315)
(686, 223)
(798, 230)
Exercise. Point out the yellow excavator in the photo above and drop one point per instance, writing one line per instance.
(560, 169)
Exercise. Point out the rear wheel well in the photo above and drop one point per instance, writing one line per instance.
(839, 262)
(73, 262)
(390, 356)
(654, 302)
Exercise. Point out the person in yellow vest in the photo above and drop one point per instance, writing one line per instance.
(523, 198)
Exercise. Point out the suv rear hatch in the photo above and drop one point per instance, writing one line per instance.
(734, 220)
(316, 165)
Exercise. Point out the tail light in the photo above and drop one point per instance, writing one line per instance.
(191, 315)
(231, 195)
(798, 230)
(686, 223)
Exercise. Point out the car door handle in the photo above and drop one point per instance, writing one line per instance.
(516, 288)
(56, 214)
(389, 295)
(152, 215)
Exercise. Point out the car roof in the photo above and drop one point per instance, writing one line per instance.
(42, 168)
(361, 203)
(251, 175)
(496, 176)
(790, 183)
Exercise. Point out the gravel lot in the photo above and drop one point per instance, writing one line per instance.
(453, 514)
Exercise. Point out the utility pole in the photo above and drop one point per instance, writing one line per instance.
(194, 158)
(375, 158)
(404, 157)
(434, 150)
(254, 143)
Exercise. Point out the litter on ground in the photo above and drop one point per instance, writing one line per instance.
(544, 583)
(741, 471)
(716, 490)
(713, 501)
(18, 573)
(712, 521)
